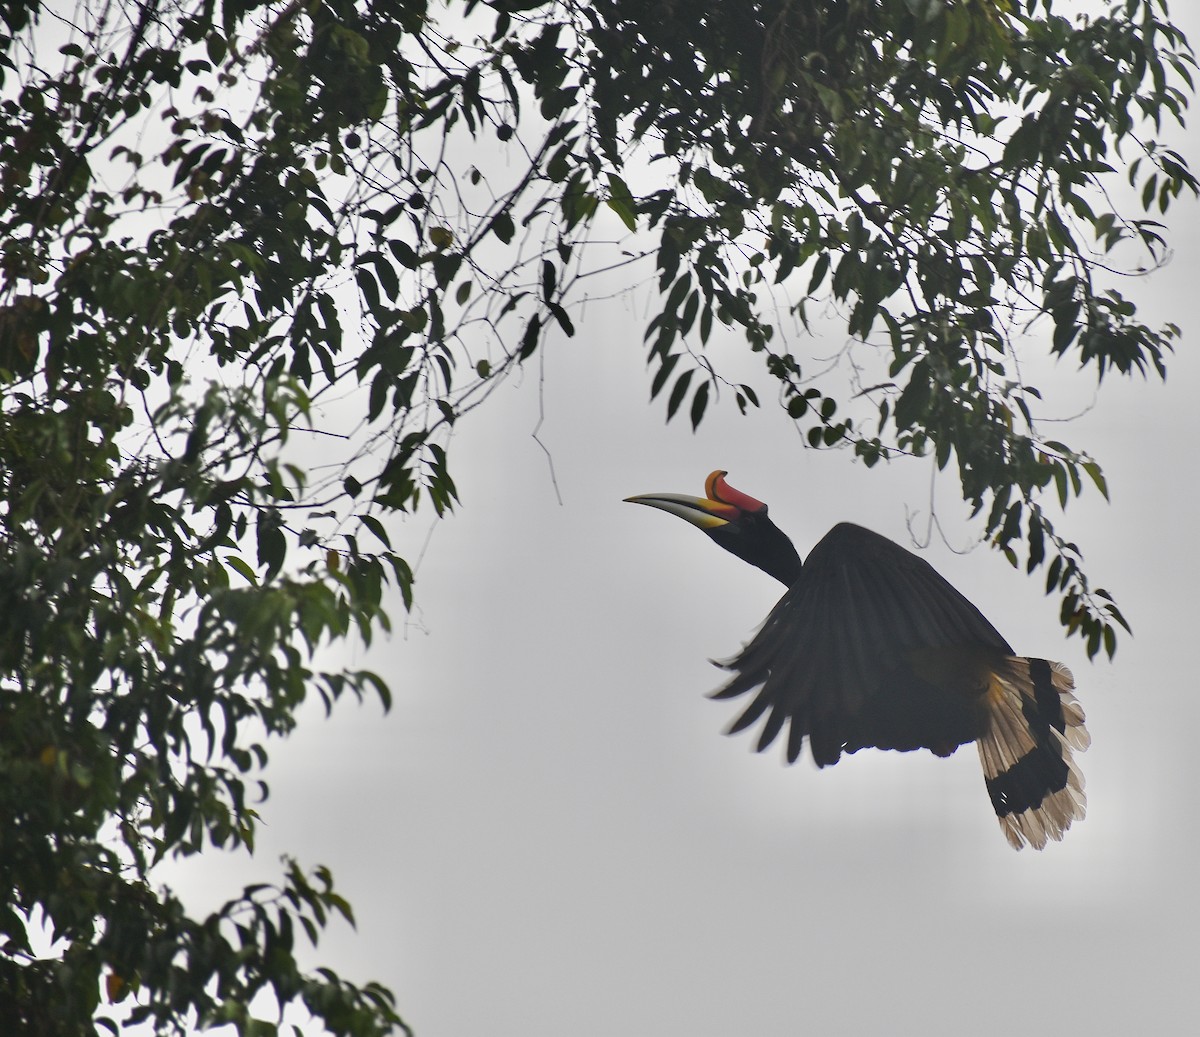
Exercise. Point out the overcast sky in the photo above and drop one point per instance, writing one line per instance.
(550, 837)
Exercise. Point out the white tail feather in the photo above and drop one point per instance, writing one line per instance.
(1035, 785)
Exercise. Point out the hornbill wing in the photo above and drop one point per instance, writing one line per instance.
(869, 647)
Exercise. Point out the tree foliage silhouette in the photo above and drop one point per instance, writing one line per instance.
(257, 259)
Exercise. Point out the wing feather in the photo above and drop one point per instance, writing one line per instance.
(830, 652)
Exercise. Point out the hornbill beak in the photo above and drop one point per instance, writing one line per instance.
(699, 511)
(722, 506)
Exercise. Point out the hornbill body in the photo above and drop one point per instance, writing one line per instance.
(870, 647)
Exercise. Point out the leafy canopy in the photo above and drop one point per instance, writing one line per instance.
(256, 259)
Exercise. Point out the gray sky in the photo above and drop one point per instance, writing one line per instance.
(549, 835)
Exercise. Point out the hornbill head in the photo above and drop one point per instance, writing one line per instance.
(737, 522)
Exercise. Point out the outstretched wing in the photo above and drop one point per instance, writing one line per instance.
(869, 647)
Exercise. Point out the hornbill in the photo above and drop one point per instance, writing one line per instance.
(870, 647)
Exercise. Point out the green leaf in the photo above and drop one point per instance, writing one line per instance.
(819, 271)
(621, 201)
(797, 406)
(1097, 477)
(1060, 482)
(503, 227)
(679, 391)
(531, 338)
(376, 527)
(699, 404)
(242, 568)
(562, 317)
(663, 374)
(272, 544)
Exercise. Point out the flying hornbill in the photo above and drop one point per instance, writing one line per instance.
(870, 647)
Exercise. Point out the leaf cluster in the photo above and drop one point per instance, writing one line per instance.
(942, 175)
